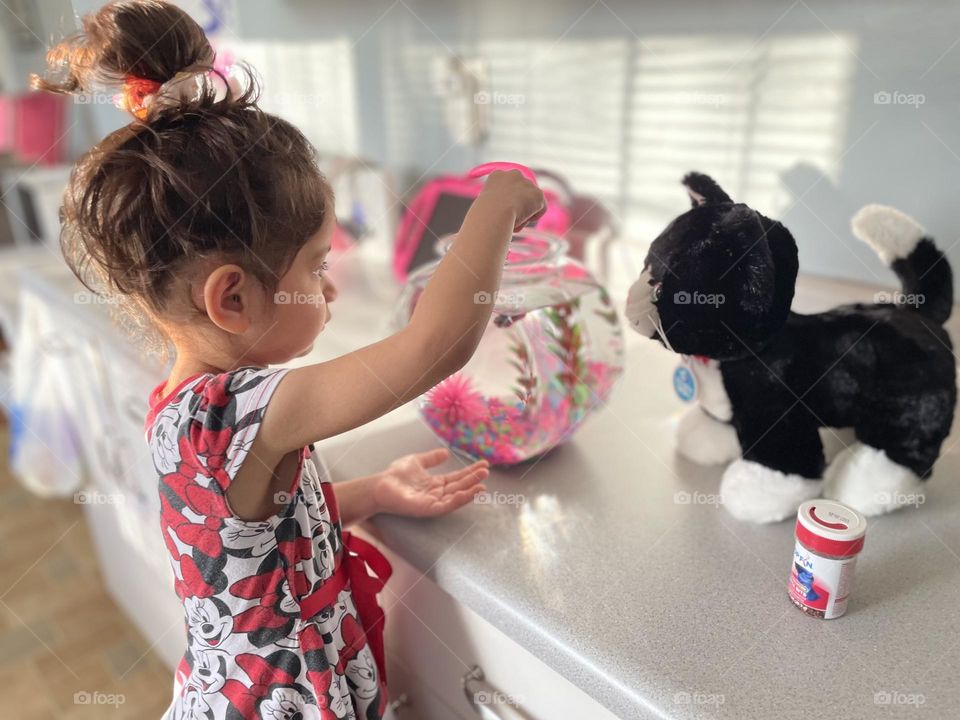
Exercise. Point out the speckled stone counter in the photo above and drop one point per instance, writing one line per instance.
(619, 571)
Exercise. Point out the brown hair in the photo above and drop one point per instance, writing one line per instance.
(210, 176)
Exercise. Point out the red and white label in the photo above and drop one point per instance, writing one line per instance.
(821, 584)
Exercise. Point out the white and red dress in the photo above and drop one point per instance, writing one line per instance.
(281, 614)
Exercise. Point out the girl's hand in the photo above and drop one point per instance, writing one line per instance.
(510, 189)
(408, 488)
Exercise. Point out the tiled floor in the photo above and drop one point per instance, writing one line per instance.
(62, 638)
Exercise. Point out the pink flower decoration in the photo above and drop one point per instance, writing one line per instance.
(455, 401)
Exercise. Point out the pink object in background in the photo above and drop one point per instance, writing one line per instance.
(32, 128)
(6, 124)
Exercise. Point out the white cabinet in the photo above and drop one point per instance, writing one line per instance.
(433, 642)
(97, 387)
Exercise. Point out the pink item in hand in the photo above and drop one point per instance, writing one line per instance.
(440, 205)
(487, 168)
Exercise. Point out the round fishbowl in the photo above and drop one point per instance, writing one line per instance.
(551, 354)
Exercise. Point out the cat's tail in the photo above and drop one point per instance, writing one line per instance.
(902, 243)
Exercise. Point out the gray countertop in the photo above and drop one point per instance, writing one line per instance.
(660, 608)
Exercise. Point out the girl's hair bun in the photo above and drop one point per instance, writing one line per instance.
(146, 42)
(203, 177)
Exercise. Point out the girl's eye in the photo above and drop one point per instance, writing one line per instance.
(324, 266)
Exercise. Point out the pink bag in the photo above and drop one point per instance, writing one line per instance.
(440, 206)
(38, 128)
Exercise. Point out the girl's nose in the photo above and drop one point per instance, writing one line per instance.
(330, 292)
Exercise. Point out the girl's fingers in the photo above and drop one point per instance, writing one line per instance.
(478, 464)
(457, 474)
(433, 457)
(466, 481)
(458, 499)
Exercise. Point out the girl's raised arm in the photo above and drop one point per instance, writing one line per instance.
(322, 400)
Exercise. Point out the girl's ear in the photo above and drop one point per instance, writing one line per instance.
(227, 298)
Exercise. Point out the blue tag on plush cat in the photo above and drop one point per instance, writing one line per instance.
(685, 383)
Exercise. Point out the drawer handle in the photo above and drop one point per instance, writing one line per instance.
(488, 702)
(397, 705)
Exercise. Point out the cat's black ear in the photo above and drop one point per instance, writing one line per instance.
(703, 190)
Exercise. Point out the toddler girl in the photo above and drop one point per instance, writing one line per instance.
(209, 215)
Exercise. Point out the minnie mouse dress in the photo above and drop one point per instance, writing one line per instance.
(281, 614)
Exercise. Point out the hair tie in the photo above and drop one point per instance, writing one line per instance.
(136, 96)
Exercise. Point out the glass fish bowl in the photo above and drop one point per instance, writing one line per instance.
(551, 354)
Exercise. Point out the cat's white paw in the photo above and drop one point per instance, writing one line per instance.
(706, 441)
(759, 494)
(867, 480)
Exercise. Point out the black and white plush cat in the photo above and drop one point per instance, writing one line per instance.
(717, 286)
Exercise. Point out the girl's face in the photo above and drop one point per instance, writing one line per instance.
(300, 308)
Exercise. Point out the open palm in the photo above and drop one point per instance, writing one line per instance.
(408, 488)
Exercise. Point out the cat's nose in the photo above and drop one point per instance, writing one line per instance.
(641, 311)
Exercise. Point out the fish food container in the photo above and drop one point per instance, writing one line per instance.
(829, 537)
(550, 355)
